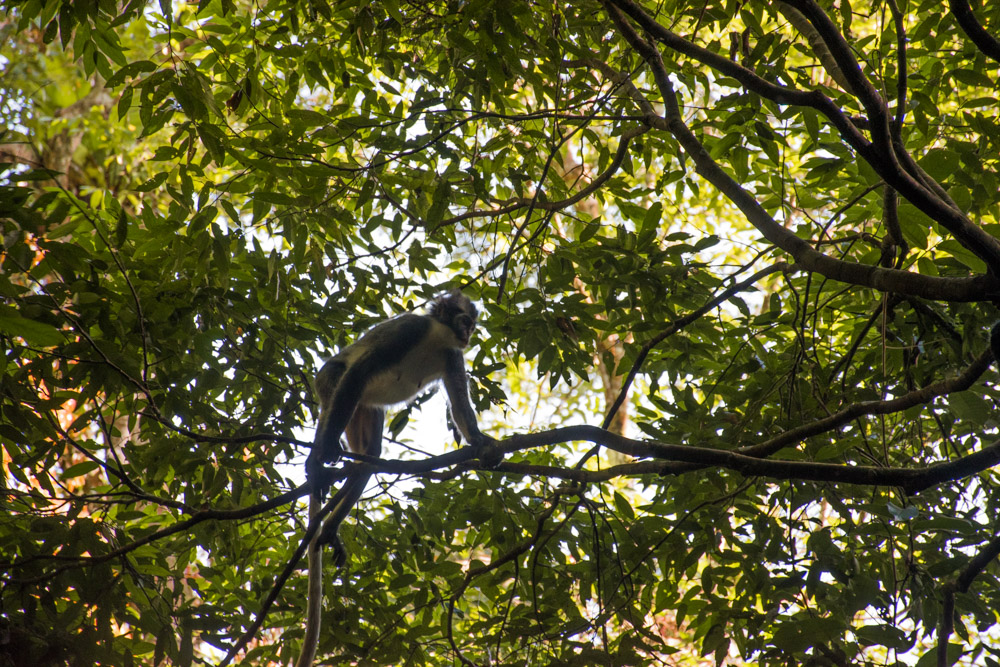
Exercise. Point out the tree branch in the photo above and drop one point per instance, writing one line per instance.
(882, 155)
(883, 279)
(917, 397)
(179, 527)
(983, 40)
(907, 178)
(960, 584)
(682, 322)
(314, 525)
(913, 480)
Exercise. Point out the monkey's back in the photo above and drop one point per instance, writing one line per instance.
(401, 358)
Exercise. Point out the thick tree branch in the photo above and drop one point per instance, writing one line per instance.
(816, 42)
(779, 94)
(913, 480)
(859, 84)
(806, 257)
(983, 40)
(882, 155)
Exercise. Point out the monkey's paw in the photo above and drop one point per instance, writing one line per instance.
(339, 554)
(318, 476)
(489, 453)
(330, 536)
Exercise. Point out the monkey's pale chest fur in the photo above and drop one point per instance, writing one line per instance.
(422, 366)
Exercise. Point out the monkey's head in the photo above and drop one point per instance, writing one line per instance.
(457, 311)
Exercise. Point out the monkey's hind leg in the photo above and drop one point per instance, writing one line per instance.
(345, 500)
(326, 448)
(364, 436)
(314, 599)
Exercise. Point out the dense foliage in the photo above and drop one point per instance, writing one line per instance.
(764, 232)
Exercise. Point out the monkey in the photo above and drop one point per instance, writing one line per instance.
(390, 364)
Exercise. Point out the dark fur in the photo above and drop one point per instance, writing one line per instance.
(391, 363)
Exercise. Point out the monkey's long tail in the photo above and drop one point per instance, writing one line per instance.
(342, 504)
(314, 600)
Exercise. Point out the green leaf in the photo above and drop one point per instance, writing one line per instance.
(722, 146)
(929, 659)
(971, 406)
(80, 469)
(32, 331)
(973, 77)
(125, 102)
(623, 506)
(152, 183)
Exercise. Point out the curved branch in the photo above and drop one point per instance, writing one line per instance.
(983, 40)
(777, 93)
(977, 565)
(682, 322)
(117, 472)
(515, 204)
(881, 155)
(912, 480)
(911, 181)
(889, 148)
(911, 399)
(934, 288)
(619, 158)
(179, 527)
(225, 440)
(961, 584)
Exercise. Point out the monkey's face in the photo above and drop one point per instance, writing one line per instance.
(463, 325)
(458, 313)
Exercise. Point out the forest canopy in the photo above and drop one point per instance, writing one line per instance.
(737, 265)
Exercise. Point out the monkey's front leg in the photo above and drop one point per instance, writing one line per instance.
(486, 449)
(326, 450)
(317, 474)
